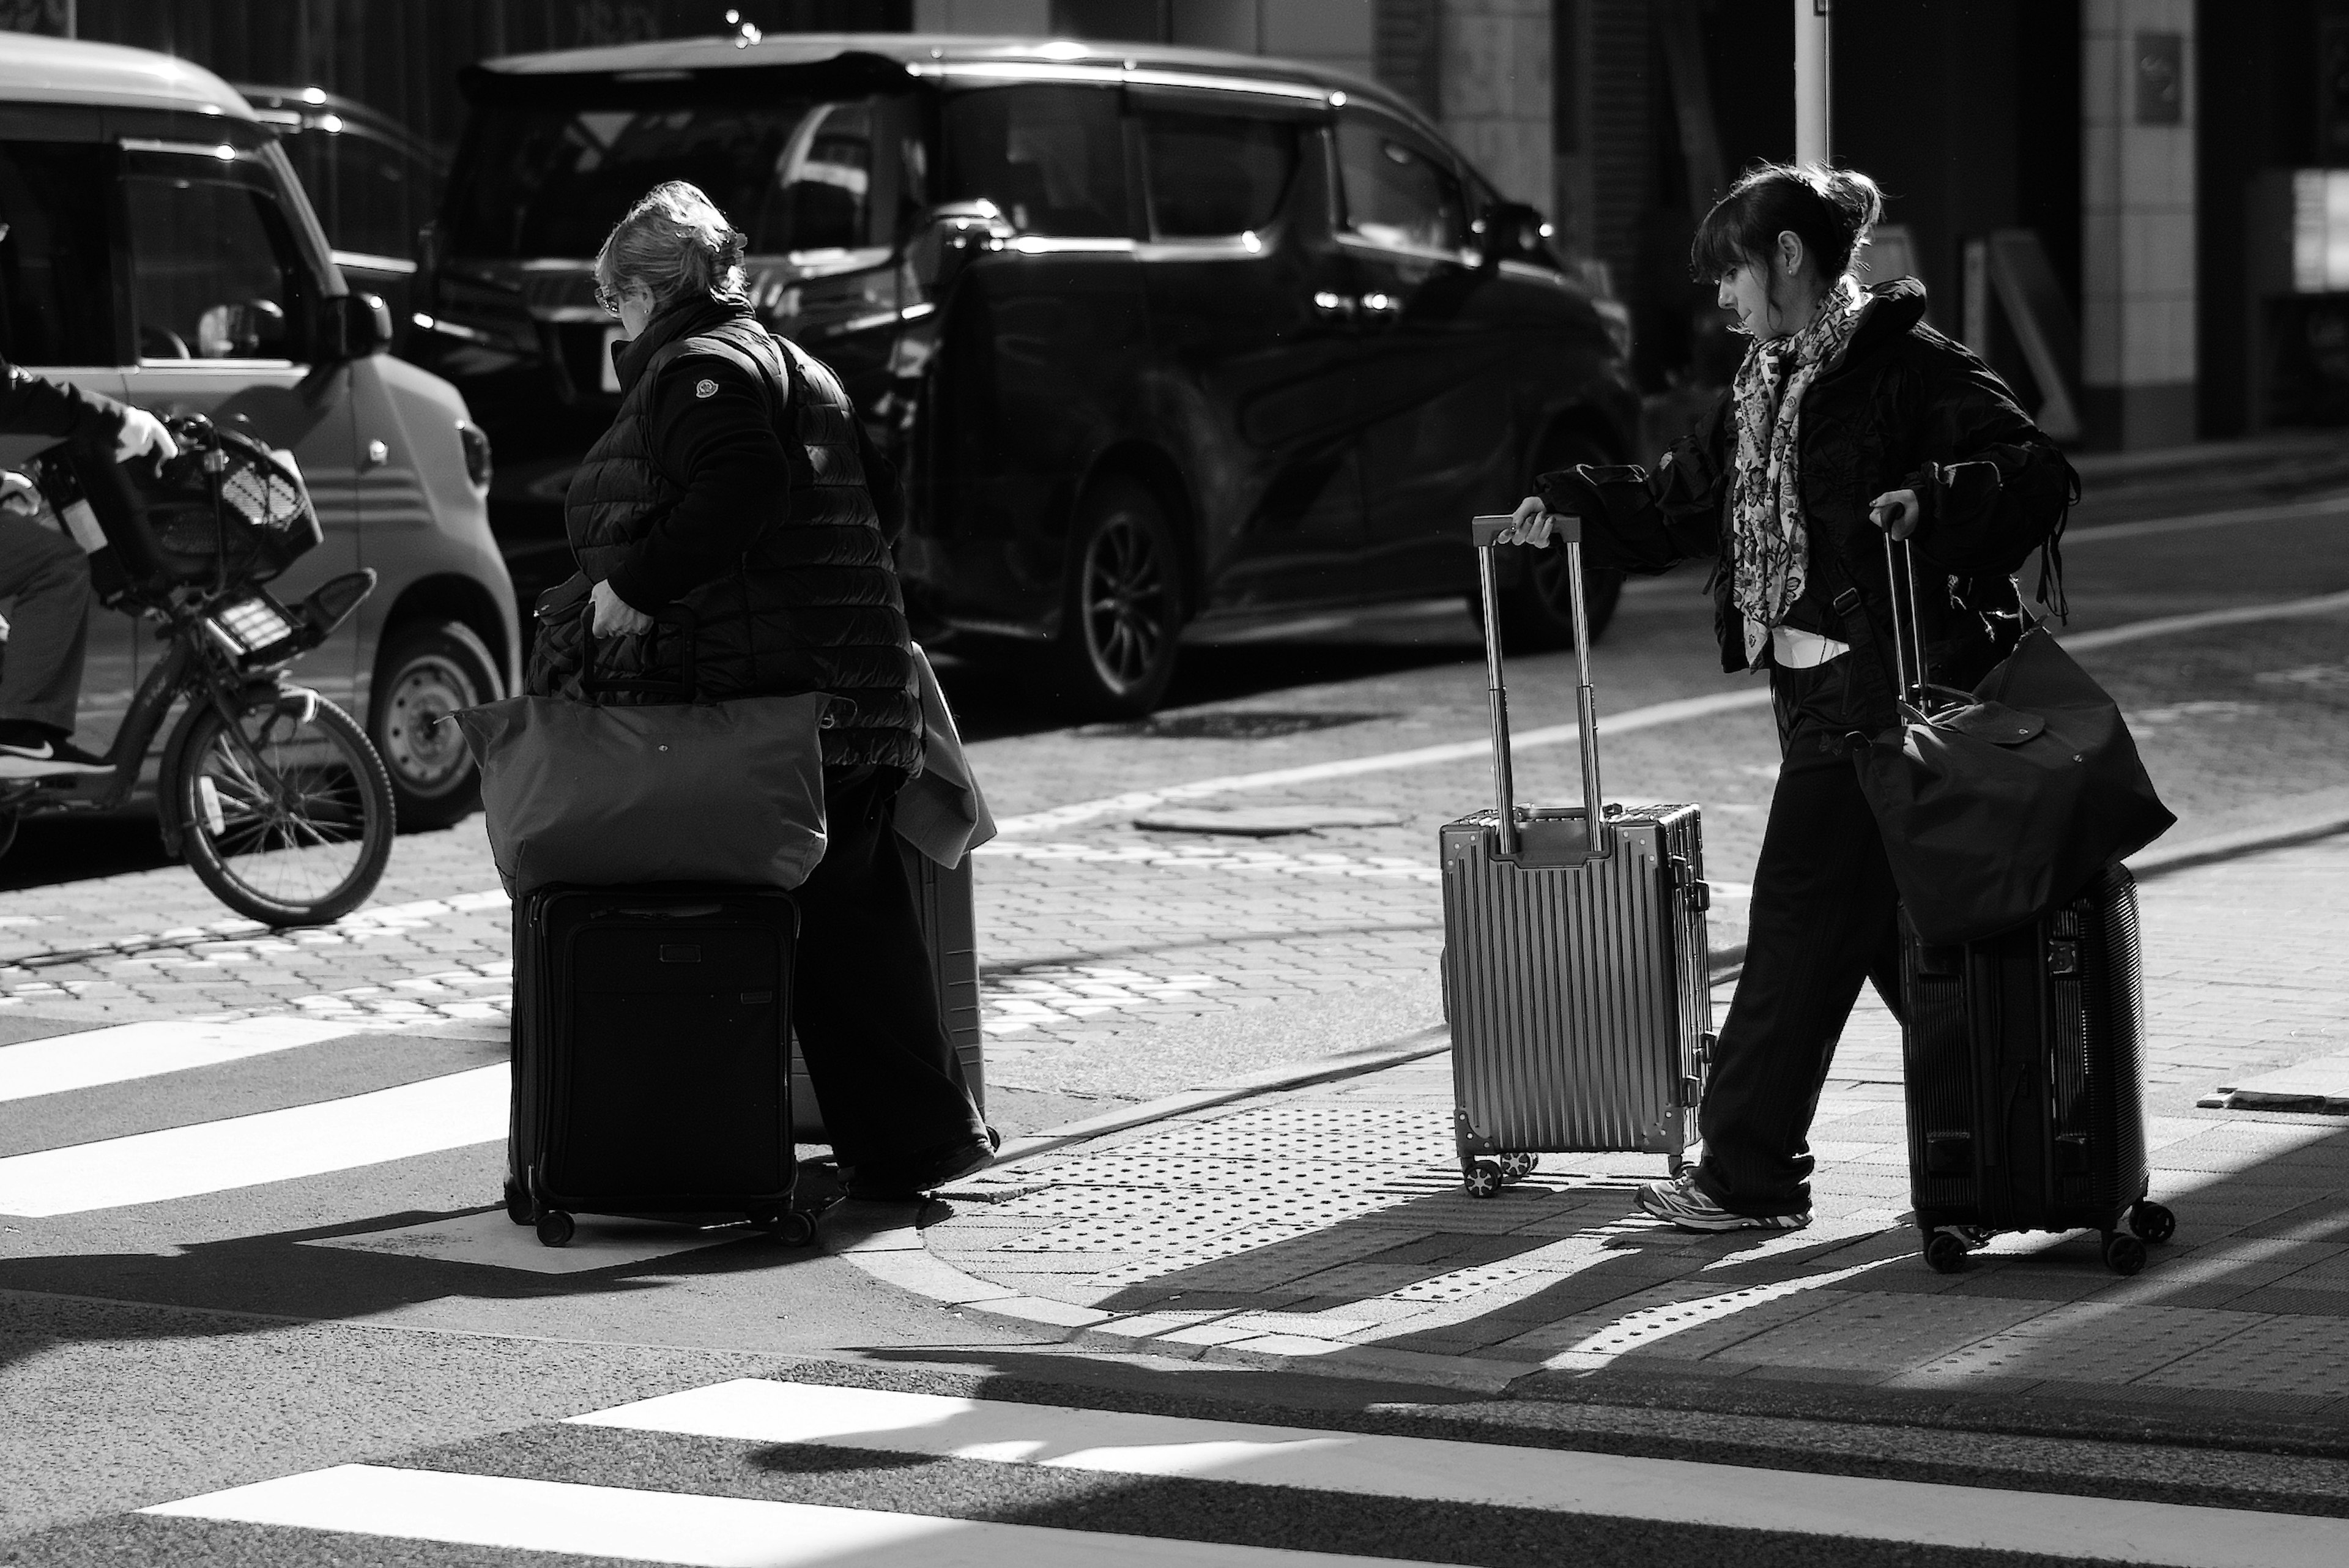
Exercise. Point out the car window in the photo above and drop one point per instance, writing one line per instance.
(1216, 175)
(55, 283)
(370, 196)
(1398, 191)
(1052, 158)
(793, 174)
(214, 271)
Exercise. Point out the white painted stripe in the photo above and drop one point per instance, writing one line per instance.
(128, 1051)
(2283, 512)
(423, 1117)
(1485, 1474)
(707, 1531)
(1623, 723)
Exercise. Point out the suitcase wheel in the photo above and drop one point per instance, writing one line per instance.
(792, 1227)
(555, 1229)
(2153, 1222)
(2124, 1254)
(1517, 1167)
(1945, 1251)
(1481, 1177)
(519, 1207)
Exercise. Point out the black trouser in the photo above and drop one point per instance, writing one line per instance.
(864, 1000)
(1823, 920)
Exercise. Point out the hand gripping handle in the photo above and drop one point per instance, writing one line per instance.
(1565, 530)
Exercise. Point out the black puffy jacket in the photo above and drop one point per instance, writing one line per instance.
(734, 481)
(1903, 408)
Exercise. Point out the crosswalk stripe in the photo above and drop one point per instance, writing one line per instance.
(1676, 1492)
(683, 1528)
(424, 1117)
(128, 1050)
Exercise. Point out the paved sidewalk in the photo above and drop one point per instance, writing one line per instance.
(1325, 1228)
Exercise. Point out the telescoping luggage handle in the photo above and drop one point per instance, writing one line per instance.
(1567, 530)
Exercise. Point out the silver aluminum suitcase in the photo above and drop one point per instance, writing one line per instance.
(1574, 961)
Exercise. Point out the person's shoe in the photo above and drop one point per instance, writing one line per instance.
(37, 758)
(921, 1175)
(1682, 1202)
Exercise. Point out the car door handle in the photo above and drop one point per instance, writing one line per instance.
(1328, 304)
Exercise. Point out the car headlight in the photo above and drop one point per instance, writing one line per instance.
(476, 443)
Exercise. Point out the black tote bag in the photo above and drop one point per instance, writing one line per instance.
(1996, 804)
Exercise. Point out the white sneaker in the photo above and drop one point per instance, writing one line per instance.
(1683, 1203)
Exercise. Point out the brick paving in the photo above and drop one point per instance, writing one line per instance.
(1327, 1227)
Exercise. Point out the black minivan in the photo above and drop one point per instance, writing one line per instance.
(1161, 338)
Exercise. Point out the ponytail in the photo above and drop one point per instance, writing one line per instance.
(676, 243)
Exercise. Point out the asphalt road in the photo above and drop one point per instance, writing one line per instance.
(169, 1349)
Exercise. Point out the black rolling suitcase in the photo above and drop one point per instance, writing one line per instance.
(651, 1057)
(2024, 1062)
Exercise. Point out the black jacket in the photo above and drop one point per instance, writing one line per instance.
(34, 405)
(737, 479)
(1902, 407)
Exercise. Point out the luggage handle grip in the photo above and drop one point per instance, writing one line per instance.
(1484, 532)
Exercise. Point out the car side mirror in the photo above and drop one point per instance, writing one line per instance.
(948, 236)
(365, 325)
(1511, 231)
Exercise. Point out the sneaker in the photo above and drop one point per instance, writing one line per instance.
(923, 1174)
(1685, 1204)
(40, 759)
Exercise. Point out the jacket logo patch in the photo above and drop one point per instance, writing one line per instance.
(704, 389)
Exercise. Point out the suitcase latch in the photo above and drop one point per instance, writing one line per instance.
(2062, 958)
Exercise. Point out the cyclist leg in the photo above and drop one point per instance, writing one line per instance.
(47, 577)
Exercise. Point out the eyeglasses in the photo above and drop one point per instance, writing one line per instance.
(609, 297)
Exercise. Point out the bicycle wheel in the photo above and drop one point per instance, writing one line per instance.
(292, 827)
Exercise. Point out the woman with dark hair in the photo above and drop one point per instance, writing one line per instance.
(1849, 417)
(738, 482)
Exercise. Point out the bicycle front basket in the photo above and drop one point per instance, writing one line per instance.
(164, 525)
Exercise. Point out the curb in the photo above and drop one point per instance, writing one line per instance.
(900, 1256)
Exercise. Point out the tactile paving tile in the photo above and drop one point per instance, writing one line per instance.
(2307, 1355)
(1462, 1285)
(2090, 1344)
(1217, 1174)
(1870, 1330)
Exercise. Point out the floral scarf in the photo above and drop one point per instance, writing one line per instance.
(1766, 500)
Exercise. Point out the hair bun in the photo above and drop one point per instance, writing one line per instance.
(1857, 202)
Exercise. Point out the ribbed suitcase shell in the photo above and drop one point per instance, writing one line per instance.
(1577, 989)
(650, 1066)
(2025, 1071)
(946, 901)
(1575, 982)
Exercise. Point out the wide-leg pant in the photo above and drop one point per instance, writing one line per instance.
(1824, 918)
(865, 1002)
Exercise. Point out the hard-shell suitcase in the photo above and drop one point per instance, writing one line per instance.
(2022, 1055)
(2024, 1062)
(1574, 961)
(945, 898)
(651, 1063)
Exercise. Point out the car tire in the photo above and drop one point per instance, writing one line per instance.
(1537, 609)
(428, 671)
(1121, 608)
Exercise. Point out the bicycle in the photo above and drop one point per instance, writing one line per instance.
(271, 793)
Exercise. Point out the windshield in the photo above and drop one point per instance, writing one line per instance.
(796, 176)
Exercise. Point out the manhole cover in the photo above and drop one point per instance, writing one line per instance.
(1262, 821)
(1229, 725)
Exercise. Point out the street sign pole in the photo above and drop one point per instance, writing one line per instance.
(1813, 85)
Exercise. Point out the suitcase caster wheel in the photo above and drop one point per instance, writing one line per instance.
(2124, 1254)
(1517, 1167)
(519, 1207)
(555, 1229)
(2153, 1222)
(795, 1230)
(1945, 1251)
(1483, 1179)
(994, 1139)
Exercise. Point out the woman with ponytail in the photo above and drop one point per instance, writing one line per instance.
(737, 483)
(1848, 418)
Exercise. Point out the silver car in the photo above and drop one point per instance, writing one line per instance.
(159, 248)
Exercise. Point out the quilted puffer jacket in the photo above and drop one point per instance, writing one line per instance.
(737, 481)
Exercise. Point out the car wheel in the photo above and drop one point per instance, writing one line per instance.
(1537, 609)
(427, 671)
(1122, 608)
